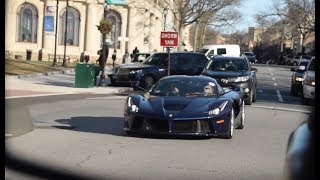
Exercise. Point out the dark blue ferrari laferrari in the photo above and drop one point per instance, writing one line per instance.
(186, 105)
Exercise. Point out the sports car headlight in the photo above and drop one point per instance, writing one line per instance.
(219, 109)
(132, 107)
(136, 71)
(242, 79)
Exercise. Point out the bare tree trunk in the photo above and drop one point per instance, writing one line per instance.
(203, 34)
(195, 37)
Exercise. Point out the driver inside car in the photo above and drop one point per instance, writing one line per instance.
(173, 90)
(208, 90)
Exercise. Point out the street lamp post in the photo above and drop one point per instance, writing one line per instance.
(64, 64)
(55, 38)
(165, 12)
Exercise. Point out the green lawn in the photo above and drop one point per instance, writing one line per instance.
(17, 67)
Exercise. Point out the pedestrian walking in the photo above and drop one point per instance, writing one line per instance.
(135, 51)
(114, 57)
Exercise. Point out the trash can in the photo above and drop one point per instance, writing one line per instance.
(84, 77)
(97, 70)
(29, 53)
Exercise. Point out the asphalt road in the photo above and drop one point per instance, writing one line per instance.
(83, 135)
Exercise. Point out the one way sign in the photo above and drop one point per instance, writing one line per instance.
(169, 39)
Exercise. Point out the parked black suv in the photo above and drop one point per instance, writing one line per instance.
(156, 66)
(229, 70)
(252, 57)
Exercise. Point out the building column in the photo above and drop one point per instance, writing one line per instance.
(92, 41)
(152, 34)
(9, 27)
(49, 38)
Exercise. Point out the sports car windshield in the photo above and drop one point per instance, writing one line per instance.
(228, 65)
(185, 88)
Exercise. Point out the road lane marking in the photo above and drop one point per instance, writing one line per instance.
(273, 78)
(275, 84)
(282, 109)
(279, 96)
(8, 135)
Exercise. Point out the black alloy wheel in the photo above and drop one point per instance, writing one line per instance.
(148, 81)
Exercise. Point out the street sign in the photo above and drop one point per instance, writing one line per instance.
(116, 2)
(169, 38)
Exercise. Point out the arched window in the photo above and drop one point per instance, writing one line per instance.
(115, 19)
(27, 22)
(73, 27)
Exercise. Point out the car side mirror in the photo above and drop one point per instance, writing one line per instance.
(254, 69)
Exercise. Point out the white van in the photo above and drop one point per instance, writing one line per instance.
(223, 49)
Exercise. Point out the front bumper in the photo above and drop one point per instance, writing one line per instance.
(125, 79)
(297, 86)
(161, 126)
(308, 92)
(246, 86)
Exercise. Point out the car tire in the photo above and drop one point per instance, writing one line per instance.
(254, 97)
(242, 117)
(231, 126)
(148, 81)
(293, 91)
(248, 100)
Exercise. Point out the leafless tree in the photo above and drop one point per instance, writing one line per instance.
(188, 12)
(297, 15)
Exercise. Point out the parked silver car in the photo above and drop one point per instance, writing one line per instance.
(309, 83)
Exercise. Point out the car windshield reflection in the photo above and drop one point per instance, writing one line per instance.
(185, 88)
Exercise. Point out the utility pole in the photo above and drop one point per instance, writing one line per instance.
(55, 38)
(64, 64)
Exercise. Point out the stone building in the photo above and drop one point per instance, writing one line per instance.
(32, 24)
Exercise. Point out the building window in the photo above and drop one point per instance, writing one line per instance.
(73, 27)
(27, 22)
(115, 19)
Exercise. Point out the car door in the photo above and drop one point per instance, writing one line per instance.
(182, 64)
(198, 62)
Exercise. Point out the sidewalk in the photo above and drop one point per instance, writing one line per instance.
(53, 83)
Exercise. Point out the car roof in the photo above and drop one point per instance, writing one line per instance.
(179, 52)
(228, 57)
(183, 77)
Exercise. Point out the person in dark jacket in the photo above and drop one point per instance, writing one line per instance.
(135, 51)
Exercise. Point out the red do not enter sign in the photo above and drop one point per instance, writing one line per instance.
(169, 39)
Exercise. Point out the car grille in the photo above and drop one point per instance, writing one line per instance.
(123, 71)
(191, 126)
(151, 124)
(174, 107)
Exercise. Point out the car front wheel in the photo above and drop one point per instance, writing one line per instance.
(231, 126)
(242, 117)
(248, 100)
(148, 82)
